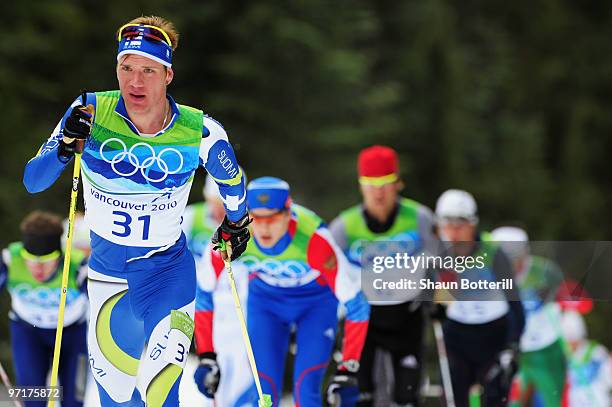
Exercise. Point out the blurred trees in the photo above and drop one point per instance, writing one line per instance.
(509, 100)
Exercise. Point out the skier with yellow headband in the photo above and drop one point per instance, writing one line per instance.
(30, 269)
(141, 150)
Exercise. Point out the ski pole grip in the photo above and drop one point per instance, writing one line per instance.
(80, 144)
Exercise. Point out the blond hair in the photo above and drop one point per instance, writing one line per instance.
(162, 23)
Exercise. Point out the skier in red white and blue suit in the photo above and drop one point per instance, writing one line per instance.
(297, 277)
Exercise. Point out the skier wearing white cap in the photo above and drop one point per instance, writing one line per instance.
(482, 332)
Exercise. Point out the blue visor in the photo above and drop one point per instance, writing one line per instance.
(158, 51)
(267, 192)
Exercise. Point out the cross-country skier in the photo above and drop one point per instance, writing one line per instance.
(297, 277)
(589, 365)
(483, 326)
(141, 152)
(541, 361)
(199, 222)
(383, 216)
(31, 269)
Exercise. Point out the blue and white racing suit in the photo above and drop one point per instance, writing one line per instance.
(141, 274)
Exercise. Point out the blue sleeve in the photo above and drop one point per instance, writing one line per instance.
(218, 158)
(358, 308)
(42, 170)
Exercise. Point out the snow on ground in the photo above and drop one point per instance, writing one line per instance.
(189, 394)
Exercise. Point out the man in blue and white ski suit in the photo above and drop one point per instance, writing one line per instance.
(140, 154)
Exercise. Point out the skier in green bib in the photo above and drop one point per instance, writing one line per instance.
(541, 361)
(395, 326)
(589, 364)
(31, 270)
(297, 277)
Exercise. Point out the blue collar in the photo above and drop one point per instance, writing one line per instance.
(122, 111)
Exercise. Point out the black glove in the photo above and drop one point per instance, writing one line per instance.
(505, 366)
(343, 388)
(78, 124)
(207, 375)
(508, 360)
(236, 234)
(76, 127)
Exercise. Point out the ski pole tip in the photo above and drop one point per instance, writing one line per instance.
(266, 401)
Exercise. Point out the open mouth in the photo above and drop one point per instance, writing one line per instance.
(136, 96)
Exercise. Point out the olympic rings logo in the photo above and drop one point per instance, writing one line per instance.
(146, 166)
(43, 297)
(290, 269)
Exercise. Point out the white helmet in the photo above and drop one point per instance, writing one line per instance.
(514, 241)
(573, 326)
(456, 203)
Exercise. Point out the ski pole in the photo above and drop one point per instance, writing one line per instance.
(265, 400)
(66, 270)
(444, 366)
(8, 385)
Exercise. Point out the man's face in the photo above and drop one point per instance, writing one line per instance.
(457, 231)
(142, 82)
(460, 232)
(41, 271)
(380, 200)
(269, 225)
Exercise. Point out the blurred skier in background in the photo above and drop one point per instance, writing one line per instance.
(297, 276)
(589, 365)
(32, 271)
(483, 328)
(542, 364)
(396, 326)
